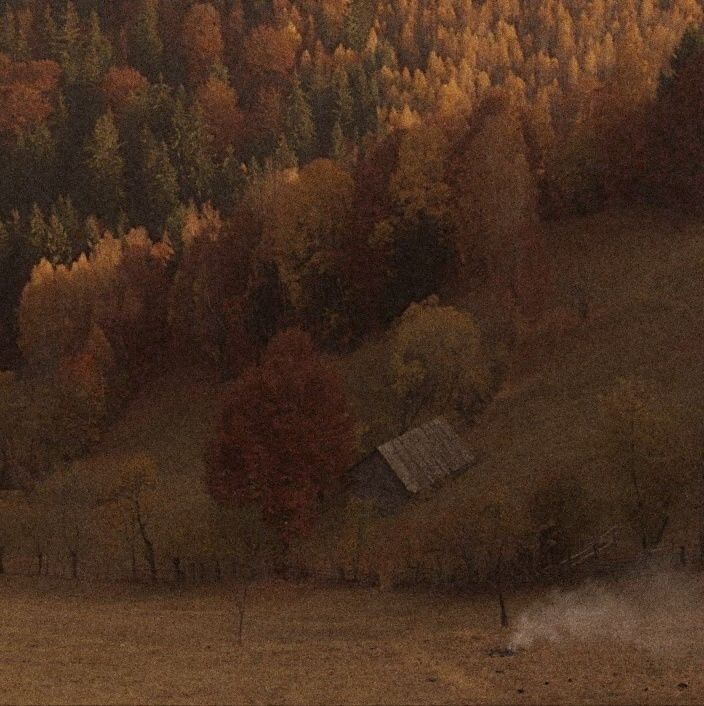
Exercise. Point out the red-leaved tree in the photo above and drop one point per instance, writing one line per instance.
(285, 435)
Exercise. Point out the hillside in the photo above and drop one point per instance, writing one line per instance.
(171, 419)
(642, 275)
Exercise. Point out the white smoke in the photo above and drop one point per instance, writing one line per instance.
(647, 612)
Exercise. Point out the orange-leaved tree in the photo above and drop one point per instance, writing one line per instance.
(285, 435)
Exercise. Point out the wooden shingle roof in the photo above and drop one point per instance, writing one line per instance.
(425, 456)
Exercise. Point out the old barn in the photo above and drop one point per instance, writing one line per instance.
(409, 466)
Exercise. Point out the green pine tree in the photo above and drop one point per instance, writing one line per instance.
(58, 241)
(344, 103)
(12, 41)
(160, 192)
(67, 44)
(105, 170)
(98, 52)
(91, 232)
(68, 217)
(299, 125)
(691, 45)
(358, 21)
(284, 156)
(145, 49)
(191, 154)
(37, 235)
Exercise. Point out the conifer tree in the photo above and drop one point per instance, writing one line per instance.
(105, 170)
(190, 148)
(144, 46)
(344, 103)
(37, 235)
(12, 41)
(98, 52)
(58, 245)
(300, 129)
(159, 193)
(284, 157)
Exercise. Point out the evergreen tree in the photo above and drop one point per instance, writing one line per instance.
(58, 245)
(339, 146)
(299, 126)
(105, 170)
(12, 41)
(344, 103)
(358, 21)
(68, 217)
(29, 174)
(66, 44)
(92, 232)
(37, 235)
(284, 156)
(144, 46)
(191, 154)
(691, 45)
(98, 52)
(159, 193)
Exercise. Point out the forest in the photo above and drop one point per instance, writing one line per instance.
(335, 212)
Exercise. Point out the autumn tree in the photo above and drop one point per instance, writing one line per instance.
(201, 40)
(306, 234)
(130, 483)
(497, 228)
(221, 112)
(285, 436)
(437, 363)
(70, 497)
(122, 86)
(647, 457)
(27, 92)
(208, 302)
(184, 522)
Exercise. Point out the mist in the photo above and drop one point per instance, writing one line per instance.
(652, 612)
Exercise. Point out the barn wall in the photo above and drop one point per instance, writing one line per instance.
(373, 480)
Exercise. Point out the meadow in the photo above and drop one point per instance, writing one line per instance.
(617, 642)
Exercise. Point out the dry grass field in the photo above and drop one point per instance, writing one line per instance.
(80, 643)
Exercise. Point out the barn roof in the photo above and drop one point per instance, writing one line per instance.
(423, 457)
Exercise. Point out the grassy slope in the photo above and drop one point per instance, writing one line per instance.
(643, 275)
(171, 419)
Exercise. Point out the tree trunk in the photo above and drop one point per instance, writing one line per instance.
(40, 563)
(502, 609)
(148, 545)
(133, 562)
(151, 558)
(218, 571)
(241, 603)
(74, 564)
(178, 574)
(2, 560)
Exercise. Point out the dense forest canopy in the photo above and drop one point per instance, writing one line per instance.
(181, 182)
